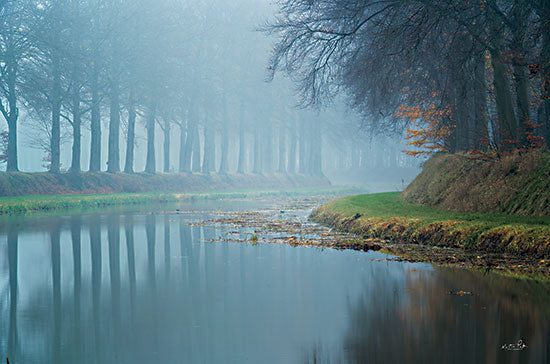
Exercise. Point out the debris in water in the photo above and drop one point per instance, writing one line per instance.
(460, 293)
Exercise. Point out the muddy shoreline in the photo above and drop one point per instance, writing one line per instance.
(292, 225)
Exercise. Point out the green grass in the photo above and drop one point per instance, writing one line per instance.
(391, 205)
(49, 203)
(387, 216)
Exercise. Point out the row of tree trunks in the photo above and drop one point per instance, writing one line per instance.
(291, 149)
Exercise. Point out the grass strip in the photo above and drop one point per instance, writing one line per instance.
(47, 203)
(387, 216)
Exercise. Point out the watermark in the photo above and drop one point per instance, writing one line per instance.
(520, 345)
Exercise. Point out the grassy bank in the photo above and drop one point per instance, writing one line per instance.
(516, 184)
(388, 216)
(27, 184)
(47, 203)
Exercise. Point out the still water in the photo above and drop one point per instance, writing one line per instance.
(142, 287)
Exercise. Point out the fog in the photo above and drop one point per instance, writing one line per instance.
(194, 76)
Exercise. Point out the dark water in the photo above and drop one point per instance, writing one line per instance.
(150, 288)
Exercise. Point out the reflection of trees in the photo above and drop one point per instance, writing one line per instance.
(95, 248)
(167, 253)
(394, 321)
(151, 233)
(55, 237)
(76, 227)
(426, 324)
(12, 263)
(189, 277)
(129, 232)
(113, 236)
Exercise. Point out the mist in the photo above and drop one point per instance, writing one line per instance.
(114, 86)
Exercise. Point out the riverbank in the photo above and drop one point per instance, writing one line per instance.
(30, 184)
(49, 203)
(517, 183)
(388, 217)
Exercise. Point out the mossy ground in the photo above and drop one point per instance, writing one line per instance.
(389, 217)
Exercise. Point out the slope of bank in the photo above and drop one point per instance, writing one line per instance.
(388, 216)
(22, 184)
(516, 184)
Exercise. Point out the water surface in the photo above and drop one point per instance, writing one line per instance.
(131, 287)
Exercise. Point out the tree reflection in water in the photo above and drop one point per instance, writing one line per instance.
(425, 323)
(78, 293)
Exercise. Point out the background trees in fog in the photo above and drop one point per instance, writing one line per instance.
(111, 85)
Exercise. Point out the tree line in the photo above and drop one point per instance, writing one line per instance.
(75, 68)
(457, 75)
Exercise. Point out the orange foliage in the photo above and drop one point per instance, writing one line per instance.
(429, 131)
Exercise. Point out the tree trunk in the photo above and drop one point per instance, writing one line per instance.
(184, 135)
(55, 143)
(520, 74)
(196, 147)
(316, 150)
(12, 118)
(268, 148)
(545, 56)
(224, 164)
(480, 130)
(302, 163)
(206, 147)
(209, 156)
(292, 149)
(131, 137)
(190, 141)
(461, 115)
(95, 123)
(364, 155)
(282, 148)
(77, 121)
(241, 168)
(114, 126)
(506, 118)
(257, 151)
(355, 156)
(166, 145)
(150, 165)
(380, 155)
